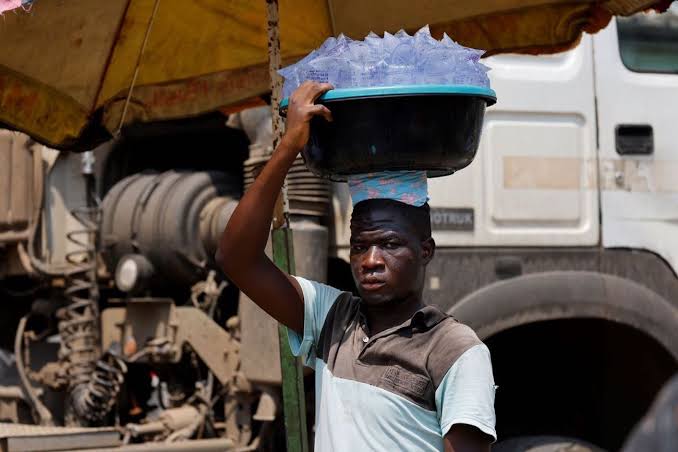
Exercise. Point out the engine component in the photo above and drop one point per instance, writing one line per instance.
(200, 445)
(44, 415)
(21, 182)
(170, 420)
(39, 438)
(159, 329)
(213, 220)
(12, 400)
(93, 383)
(78, 326)
(171, 219)
(93, 399)
(146, 330)
(22, 179)
(268, 405)
(307, 193)
(133, 273)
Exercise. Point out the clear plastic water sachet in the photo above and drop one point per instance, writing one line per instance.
(391, 60)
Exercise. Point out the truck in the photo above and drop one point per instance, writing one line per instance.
(558, 245)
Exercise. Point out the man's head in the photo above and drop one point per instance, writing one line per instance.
(391, 245)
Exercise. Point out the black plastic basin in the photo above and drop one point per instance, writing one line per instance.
(426, 127)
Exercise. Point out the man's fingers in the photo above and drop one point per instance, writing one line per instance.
(303, 100)
(319, 89)
(321, 110)
(309, 91)
(301, 93)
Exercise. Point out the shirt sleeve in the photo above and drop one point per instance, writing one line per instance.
(318, 299)
(466, 393)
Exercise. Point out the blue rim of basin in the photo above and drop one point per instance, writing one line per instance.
(405, 90)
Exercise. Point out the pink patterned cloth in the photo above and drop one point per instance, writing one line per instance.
(409, 187)
(7, 5)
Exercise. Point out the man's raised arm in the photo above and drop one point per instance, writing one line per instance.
(241, 248)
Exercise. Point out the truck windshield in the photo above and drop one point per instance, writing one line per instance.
(648, 42)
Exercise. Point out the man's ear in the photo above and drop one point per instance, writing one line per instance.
(428, 250)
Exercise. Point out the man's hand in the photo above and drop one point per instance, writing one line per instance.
(301, 110)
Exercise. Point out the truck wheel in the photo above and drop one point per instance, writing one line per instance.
(545, 444)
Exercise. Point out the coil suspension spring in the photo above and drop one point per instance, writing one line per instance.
(94, 380)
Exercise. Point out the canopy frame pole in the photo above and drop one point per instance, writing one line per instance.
(294, 397)
(137, 66)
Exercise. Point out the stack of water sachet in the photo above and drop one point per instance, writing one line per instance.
(393, 60)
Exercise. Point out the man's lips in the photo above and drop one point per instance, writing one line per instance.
(372, 284)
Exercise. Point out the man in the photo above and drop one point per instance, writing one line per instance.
(391, 372)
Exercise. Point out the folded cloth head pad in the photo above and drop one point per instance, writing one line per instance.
(408, 187)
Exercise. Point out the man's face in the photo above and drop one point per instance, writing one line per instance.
(388, 257)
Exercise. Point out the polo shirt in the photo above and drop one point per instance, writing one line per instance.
(400, 389)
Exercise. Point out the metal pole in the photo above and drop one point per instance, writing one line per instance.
(294, 406)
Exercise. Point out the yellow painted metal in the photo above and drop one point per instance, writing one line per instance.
(69, 65)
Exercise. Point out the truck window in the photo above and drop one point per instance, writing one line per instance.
(648, 42)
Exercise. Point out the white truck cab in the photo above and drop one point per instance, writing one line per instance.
(580, 150)
(559, 243)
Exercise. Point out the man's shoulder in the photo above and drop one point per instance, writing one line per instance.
(321, 295)
(343, 307)
(338, 305)
(450, 339)
(449, 331)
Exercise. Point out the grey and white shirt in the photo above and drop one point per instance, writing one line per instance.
(400, 389)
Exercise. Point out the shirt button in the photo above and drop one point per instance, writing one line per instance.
(366, 339)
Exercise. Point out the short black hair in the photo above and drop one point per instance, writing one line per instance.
(419, 217)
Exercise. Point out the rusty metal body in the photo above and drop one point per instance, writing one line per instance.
(21, 182)
(177, 340)
(21, 185)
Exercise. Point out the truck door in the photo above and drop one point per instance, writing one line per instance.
(636, 71)
(533, 180)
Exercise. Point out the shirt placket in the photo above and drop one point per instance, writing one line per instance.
(366, 341)
(362, 336)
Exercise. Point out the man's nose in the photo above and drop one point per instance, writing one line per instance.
(372, 259)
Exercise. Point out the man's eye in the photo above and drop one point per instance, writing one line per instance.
(357, 248)
(391, 245)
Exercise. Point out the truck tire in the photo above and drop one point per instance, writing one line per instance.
(545, 444)
(559, 295)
